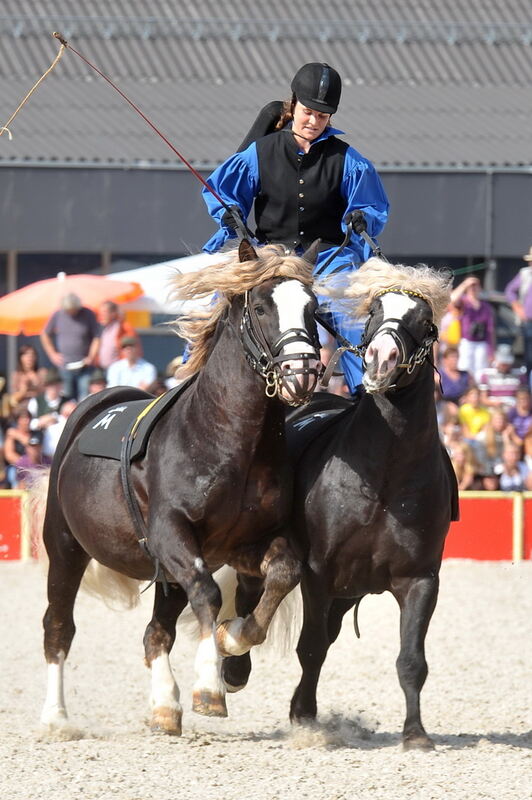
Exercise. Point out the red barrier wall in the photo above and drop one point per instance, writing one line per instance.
(493, 526)
(13, 525)
(485, 529)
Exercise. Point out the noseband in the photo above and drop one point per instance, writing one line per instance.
(423, 348)
(267, 362)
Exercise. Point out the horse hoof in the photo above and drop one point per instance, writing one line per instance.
(418, 741)
(166, 720)
(229, 638)
(235, 672)
(209, 704)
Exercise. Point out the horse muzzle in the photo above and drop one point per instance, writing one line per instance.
(294, 378)
(381, 360)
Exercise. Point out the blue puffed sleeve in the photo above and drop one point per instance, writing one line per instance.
(363, 189)
(236, 181)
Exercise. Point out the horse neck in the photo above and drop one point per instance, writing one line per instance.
(409, 413)
(229, 387)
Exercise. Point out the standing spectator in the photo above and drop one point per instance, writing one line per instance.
(16, 439)
(477, 322)
(512, 471)
(27, 378)
(131, 369)
(499, 383)
(31, 462)
(472, 415)
(114, 328)
(454, 382)
(71, 339)
(519, 294)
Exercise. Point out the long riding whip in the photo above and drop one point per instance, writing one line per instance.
(242, 230)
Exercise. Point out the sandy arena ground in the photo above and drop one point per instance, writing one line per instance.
(476, 704)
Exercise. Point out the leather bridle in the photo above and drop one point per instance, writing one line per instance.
(268, 363)
(422, 348)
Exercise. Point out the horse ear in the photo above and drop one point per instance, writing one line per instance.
(246, 251)
(311, 253)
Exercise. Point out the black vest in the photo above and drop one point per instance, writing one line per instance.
(300, 198)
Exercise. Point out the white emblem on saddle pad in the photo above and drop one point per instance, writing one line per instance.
(105, 421)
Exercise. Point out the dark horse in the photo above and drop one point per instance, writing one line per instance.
(374, 488)
(375, 491)
(212, 488)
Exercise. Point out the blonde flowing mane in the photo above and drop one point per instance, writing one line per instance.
(377, 275)
(228, 279)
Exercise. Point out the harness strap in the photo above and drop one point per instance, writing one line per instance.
(141, 530)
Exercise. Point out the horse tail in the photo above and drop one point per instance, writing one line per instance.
(38, 483)
(284, 629)
(117, 591)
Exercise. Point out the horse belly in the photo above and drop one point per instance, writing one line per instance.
(92, 502)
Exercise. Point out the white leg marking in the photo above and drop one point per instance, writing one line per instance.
(232, 637)
(164, 689)
(54, 711)
(208, 666)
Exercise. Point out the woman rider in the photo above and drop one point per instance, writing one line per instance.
(302, 182)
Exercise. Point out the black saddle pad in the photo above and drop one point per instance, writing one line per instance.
(304, 424)
(104, 434)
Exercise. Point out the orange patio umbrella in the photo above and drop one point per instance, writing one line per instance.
(27, 310)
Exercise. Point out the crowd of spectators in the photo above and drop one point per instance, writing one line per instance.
(483, 395)
(88, 352)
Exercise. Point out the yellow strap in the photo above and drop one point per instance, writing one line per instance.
(143, 414)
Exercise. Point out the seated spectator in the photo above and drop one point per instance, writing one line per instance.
(27, 379)
(157, 387)
(499, 383)
(450, 329)
(465, 466)
(53, 432)
(98, 381)
(520, 415)
(489, 443)
(131, 369)
(114, 328)
(472, 415)
(31, 462)
(43, 408)
(512, 471)
(477, 322)
(455, 382)
(16, 439)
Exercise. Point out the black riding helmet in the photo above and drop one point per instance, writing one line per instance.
(318, 86)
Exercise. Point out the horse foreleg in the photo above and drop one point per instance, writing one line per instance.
(282, 572)
(66, 567)
(236, 669)
(417, 600)
(312, 647)
(166, 711)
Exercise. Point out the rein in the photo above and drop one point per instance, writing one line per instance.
(267, 362)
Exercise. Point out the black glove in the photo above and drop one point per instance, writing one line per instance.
(228, 219)
(357, 219)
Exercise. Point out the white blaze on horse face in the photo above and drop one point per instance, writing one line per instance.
(291, 300)
(383, 354)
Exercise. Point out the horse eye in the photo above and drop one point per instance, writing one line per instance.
(260, 310)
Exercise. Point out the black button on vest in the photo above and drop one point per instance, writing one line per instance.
(279, 214)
